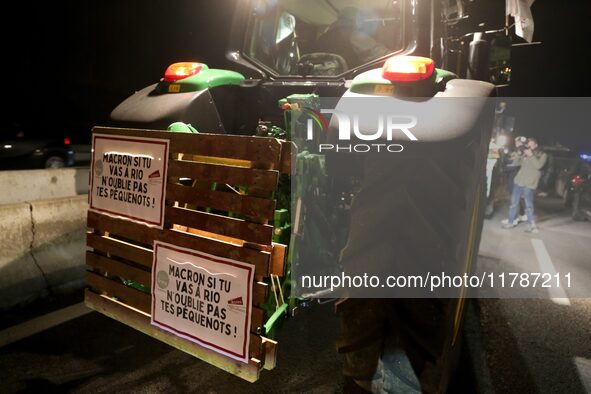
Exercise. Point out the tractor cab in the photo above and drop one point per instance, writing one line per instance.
(276, 49)
(282, 47)
(322, 38)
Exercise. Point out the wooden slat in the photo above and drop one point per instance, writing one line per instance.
(224, 201)
(122, 249)
(260, 260)
(118, 268)
(215, 160)
(263, 149)
(256, 347)
(207, 234)
(124, 228)
(230, 227)
(270, 347)
(257, 320)
(125, 294)
(141, 322)
(260, 293)
(278, 259)
(144, 234)
(258, 316)
(236, 176)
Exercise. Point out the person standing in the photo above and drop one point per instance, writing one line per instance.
(525, 184)
(514, 161)
(511, 168)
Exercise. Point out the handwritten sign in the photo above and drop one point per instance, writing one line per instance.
(128, 178)
(203, 298)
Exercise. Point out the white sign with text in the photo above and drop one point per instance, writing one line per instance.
(128, 178)
(203, 298)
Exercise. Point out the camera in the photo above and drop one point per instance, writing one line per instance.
(523, 147)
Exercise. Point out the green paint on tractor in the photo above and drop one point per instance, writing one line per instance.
(207, 78)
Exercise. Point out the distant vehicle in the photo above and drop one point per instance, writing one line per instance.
(566, 168)
(580, 187)
(560, 163)
(22, 150)
(81, 145)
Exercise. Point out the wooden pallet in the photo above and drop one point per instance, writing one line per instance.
(221, 223)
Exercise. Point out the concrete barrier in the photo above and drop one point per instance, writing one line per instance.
(21, 279)
(42, 248)
(32, 185)
(59, 241)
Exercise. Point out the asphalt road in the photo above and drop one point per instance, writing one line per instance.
(93, 354)
(538, 345)
(541, 344)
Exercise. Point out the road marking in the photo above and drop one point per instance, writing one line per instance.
(557, 294)
(42, 323)
(584, 368)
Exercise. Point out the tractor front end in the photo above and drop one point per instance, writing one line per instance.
(389, 133)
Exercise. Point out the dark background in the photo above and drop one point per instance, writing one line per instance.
(69, 63)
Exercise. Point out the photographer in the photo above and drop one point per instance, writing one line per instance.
(514, 161)
(525, 183)
(511, 168)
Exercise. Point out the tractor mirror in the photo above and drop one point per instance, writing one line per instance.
(500, 59)
(285, 27)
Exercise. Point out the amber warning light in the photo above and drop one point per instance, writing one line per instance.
(408, 68)
(178, 71)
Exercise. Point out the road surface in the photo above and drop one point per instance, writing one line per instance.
(540, 345)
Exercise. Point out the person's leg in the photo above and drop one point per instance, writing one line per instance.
(515, 197)
(528, 195)
(521, 215)
(511, 172)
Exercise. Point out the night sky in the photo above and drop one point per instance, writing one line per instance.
(71, 62)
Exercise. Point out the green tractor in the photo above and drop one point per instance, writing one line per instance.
(287, 56)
